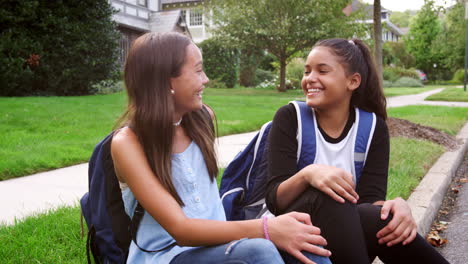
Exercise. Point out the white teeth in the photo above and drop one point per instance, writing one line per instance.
(313, 90)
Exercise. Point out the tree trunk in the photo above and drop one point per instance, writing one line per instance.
(282, 86)
(378, 38)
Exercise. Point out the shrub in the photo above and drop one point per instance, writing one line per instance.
(219, 61)
(407, 82)
(263, 75)
(459, 76)
(267, 61)
(56, 47)
(295, 69)
(389, 75)
(387, 84)
(216, 83)
(394, 73)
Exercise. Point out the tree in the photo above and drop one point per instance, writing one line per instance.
(56, 47)
(451, 42)
(402, 19)
(284, 28)
(423, 31)
(378, 37)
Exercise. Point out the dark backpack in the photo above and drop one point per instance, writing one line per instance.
(244, 181)
(110, 229)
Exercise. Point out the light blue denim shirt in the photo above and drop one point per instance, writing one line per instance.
(199, 194)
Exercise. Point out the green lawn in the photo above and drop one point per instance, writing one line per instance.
(43, 133)
(397, 91)
(450, 94)
(55, 237)
(448, 119)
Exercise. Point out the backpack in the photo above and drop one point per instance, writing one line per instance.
(244, 181)
(110, 229)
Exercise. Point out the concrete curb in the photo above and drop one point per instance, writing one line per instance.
(426, 199)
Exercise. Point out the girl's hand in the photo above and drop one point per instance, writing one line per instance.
(335, 182)
(402, 227)
(294, 232)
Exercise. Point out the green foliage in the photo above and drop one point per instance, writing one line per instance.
(219, 61)
(282, 27)
(394, 73)
(249, 60)
(56, 47)
(263, 75)
(459, 76)
(407, 82)
(216, 83)
(402, 19)
(396, 54)
(450, 43)
(419, 41)
(295, 72)
(266, 62)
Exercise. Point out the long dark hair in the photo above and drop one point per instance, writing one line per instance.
(151, 62)
(356, 58)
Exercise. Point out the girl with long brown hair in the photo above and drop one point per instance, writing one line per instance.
(340, 81)
(164, 158)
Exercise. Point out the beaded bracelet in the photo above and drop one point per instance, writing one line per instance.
(265, 227)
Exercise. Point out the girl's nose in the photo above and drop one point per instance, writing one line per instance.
(312, 77)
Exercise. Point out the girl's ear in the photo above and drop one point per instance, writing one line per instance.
(354, 80)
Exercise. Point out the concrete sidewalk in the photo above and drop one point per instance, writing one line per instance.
(40, 192)
(25, 196)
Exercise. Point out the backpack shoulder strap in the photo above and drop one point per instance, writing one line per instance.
(306, 141)
(365, 130)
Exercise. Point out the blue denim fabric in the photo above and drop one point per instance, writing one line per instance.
(244, 251)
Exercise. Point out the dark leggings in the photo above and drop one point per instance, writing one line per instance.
(350, 231)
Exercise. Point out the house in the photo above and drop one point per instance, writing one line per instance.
(390, 32)
(136, 17)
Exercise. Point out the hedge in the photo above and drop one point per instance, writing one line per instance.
(220, 63)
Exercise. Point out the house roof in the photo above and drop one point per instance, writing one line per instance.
(165, 21)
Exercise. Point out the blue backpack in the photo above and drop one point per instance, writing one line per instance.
(244, 181)
(110, 229)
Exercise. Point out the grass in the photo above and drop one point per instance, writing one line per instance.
(397, 91)
(410, 159)
(44, 133)
(451, 95)
(447, 119)
(53, 237)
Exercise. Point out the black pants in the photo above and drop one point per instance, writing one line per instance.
(350, 231)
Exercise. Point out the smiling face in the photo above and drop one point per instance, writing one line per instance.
(188, 86)
(326, 83)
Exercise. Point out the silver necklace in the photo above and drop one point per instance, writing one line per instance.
(178, 122)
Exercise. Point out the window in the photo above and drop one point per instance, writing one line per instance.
(196, 18)
(142, 3)
(183, 14)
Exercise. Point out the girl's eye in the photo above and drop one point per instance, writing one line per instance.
(306, 72)
(323, 71)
